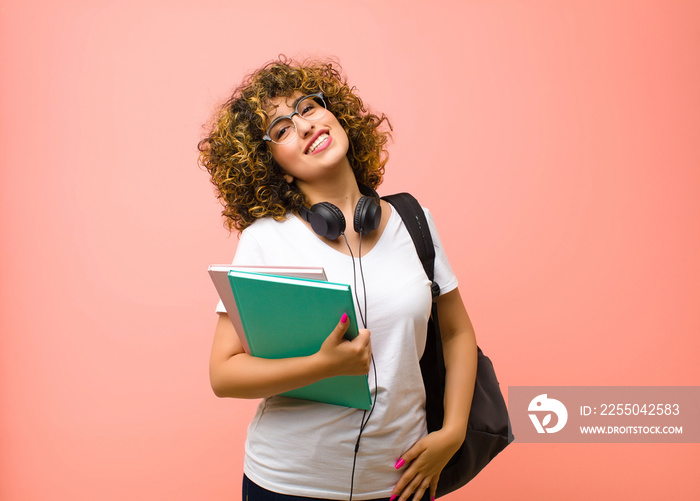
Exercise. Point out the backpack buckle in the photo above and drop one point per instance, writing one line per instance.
(434, 289)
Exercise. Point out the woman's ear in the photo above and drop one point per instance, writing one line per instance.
(289, 178)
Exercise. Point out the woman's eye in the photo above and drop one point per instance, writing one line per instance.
(307, 109)
(281, 132)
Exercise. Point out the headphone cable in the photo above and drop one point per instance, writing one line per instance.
(365, 415)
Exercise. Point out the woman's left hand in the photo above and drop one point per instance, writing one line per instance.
(423, 463)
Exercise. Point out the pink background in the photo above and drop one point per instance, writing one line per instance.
(555, 142)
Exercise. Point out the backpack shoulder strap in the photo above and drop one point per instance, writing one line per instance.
(432, 363)
(417, 225)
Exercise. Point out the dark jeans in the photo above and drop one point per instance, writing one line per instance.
(253, 492)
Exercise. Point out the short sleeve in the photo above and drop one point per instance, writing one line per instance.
(248, 252)
(444, 276)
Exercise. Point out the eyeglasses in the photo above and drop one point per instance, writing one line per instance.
(283, 130)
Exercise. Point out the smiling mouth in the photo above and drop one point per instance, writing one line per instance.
(321, 139)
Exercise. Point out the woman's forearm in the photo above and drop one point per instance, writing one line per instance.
(459, 382)
(235, 373)
(245, 376)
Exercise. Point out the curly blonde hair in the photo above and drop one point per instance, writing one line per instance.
(249, 183)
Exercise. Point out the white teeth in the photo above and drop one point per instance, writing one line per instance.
(319, 140)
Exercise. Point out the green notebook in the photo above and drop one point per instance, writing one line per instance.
(291, 317)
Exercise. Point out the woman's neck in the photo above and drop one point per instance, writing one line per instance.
(342, 191)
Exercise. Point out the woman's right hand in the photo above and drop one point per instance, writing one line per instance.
(343, 357)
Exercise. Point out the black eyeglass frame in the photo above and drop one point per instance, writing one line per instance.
(318, 95)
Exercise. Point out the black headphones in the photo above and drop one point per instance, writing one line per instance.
(328, 221)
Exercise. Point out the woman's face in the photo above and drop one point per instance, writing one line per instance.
(318, 147)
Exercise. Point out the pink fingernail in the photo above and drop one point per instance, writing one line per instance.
(344, 319)
(432, 498)
(392, 497)
(399, 464)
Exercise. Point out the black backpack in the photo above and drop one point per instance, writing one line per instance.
(488, 429)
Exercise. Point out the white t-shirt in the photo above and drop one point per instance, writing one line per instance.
(304, 448)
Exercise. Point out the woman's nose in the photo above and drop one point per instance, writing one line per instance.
(304, 127)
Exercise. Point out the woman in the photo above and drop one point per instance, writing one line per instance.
(291, 136)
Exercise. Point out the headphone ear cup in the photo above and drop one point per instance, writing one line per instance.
(327, 220)
(368, 214)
